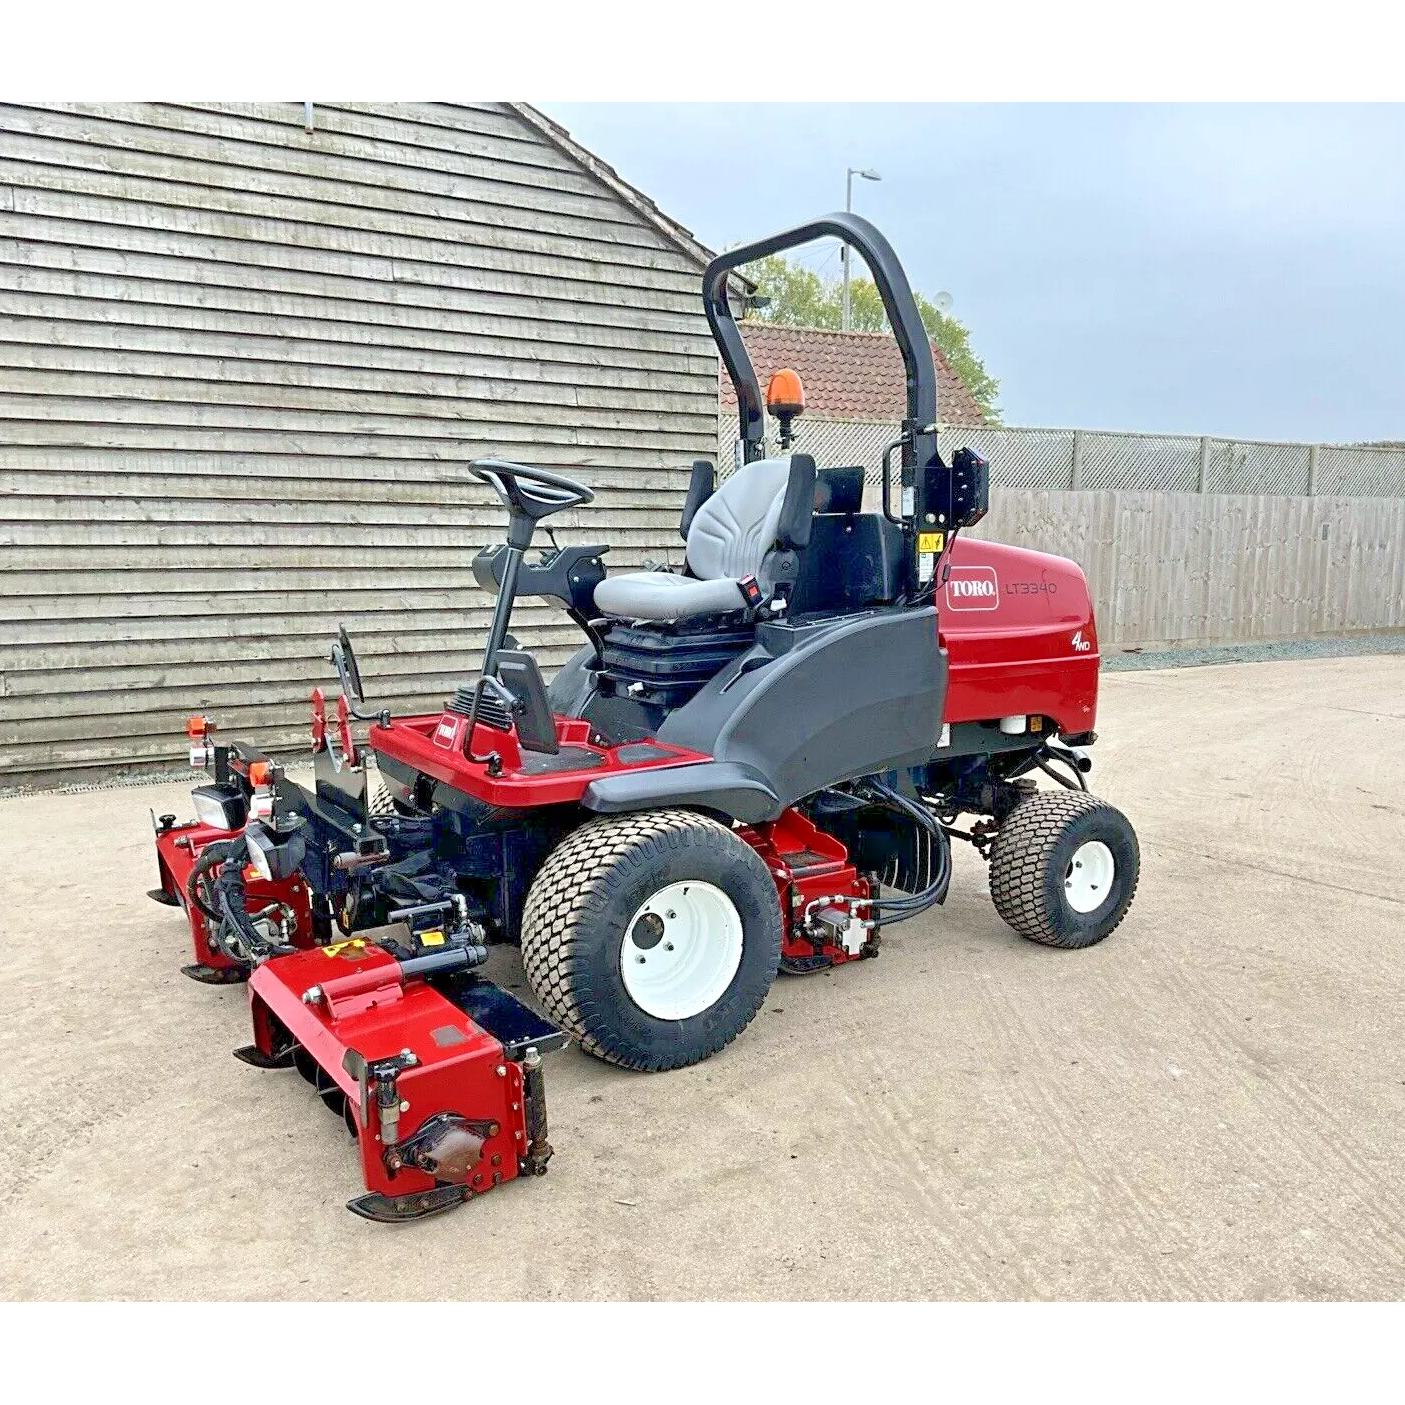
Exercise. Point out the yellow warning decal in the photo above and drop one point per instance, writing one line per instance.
(435, 938)
(336, 948)
(930, 541)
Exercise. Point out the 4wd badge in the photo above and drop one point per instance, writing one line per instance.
(973, 588)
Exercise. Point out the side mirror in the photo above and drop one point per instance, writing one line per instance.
(344, 661)
(344, 657)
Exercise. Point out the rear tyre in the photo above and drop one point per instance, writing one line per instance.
(652, 938)
(1064, 868)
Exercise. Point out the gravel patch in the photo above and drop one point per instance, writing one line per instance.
(1326, 647)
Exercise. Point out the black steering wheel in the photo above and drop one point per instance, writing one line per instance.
(528, 491)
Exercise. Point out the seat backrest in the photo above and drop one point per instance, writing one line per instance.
(764, 504)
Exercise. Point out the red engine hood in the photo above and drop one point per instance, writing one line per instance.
(1020, 637)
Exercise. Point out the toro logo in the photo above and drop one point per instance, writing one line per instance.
(973, 588)
(446, 732)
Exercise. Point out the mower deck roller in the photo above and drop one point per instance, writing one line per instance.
(753, 765)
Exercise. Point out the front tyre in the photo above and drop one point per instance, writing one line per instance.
(652, 938)
(1064, 868)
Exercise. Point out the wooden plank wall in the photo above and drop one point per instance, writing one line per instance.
(240, 366)
(1182, 568)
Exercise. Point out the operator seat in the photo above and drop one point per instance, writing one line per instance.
(744, 528)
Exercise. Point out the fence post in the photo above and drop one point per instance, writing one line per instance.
(1312, 470)
(1204, 473)
(1075, 475)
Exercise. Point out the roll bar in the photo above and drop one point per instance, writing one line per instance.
(919, 428)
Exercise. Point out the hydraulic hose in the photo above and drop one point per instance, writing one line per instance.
(896, 909)
(235, 917)
(235, 927)
(230, 927)
(210, 856)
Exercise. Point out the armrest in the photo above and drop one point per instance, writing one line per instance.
(798, 509)
(700, 488)
(569, 575)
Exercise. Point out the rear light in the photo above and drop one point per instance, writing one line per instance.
(202, 747)
(259, 863)
(261, 778)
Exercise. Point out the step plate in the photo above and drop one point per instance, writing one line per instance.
(505, 1017)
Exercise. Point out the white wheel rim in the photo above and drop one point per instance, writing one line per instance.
(1088, 882)
(681, 950)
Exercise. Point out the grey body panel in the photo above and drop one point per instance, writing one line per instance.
(735, 790)
(574, 683)
(810, 706)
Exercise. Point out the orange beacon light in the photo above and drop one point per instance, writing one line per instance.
(785, 400)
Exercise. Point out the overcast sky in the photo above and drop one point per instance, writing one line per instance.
(1206, 269)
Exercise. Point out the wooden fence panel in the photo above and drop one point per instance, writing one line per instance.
(1189, 568)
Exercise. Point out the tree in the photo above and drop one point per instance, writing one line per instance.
(801, 298)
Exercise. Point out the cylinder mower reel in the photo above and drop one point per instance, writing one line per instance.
(755, 764)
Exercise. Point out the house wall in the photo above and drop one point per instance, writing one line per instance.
(241, 367)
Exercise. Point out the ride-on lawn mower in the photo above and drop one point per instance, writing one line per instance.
(752, 765)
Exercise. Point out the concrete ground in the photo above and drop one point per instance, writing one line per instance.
(1211, 1104)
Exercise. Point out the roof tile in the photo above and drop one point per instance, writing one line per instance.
(849, 375)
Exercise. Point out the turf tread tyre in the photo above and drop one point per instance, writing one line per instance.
(1025, 853)
(567, 916)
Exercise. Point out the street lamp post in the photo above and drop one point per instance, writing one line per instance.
(868, 175)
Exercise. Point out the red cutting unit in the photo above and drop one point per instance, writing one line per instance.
(824, 920)
(285, 905)
(441, 1110)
